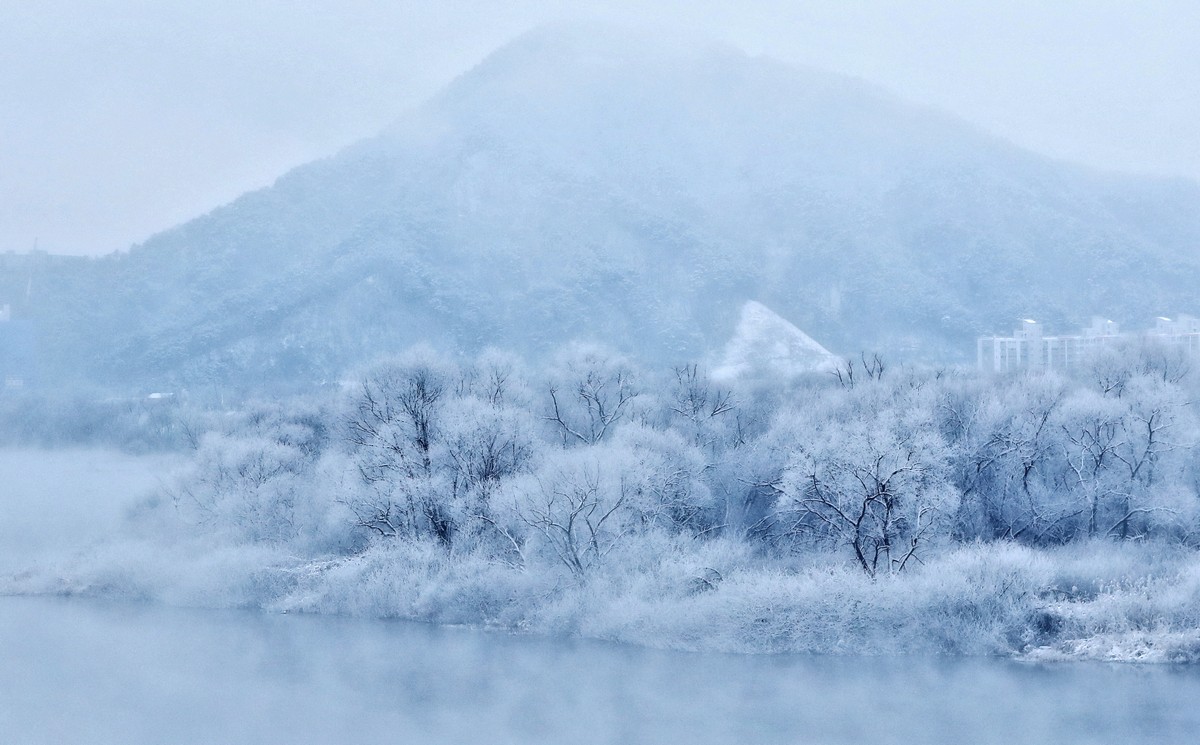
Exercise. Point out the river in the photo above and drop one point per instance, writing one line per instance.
(76, 671)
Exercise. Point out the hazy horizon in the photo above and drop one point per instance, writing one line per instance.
(128, 119)
(516, 373)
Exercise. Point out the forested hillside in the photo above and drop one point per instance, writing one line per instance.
(578, 184)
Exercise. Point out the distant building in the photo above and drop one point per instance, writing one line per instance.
(16, 351)
(1183, 332)
(1030, 349)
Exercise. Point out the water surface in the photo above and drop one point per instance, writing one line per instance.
(91, 672)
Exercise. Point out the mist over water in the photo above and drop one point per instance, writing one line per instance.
(87, 671)
(55, 503)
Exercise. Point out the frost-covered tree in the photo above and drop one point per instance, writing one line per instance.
(1004, 455)
(499, 378)
(591, 390)
(392, 427)
(663, 475)
(578, 506)
(254, 478)
(1148, 417)
(871, 476)
(701, 409)
(484, 444)
(472, 462)
(1092, 430)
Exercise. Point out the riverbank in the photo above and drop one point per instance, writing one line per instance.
(1123, 602)
(96, 523)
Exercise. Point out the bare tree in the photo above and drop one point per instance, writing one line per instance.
(698, 403)
(577, 514)
(872, 368)
(594, 394)
(876, 484)
(392, 426)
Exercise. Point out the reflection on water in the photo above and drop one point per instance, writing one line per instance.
(82, 671)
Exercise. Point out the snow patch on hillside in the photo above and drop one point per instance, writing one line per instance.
(767, 345)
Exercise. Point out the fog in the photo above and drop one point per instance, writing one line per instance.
(506, 372)
(55, 504)
(127, 673)
(122, 118)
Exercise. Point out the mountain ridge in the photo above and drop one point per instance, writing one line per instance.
(545, 195)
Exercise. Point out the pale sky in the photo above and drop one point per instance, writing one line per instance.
(120, 118)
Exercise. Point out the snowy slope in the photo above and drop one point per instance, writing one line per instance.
(765, 345)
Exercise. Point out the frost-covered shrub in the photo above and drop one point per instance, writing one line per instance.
(257, 479)
(418, 579)
(247, 486)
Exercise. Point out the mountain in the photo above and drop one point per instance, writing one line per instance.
(619, 187)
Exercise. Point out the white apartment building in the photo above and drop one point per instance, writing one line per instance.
(1183, 332)
(1030, 349)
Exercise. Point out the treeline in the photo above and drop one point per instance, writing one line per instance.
(591, 457)
(52, 418)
